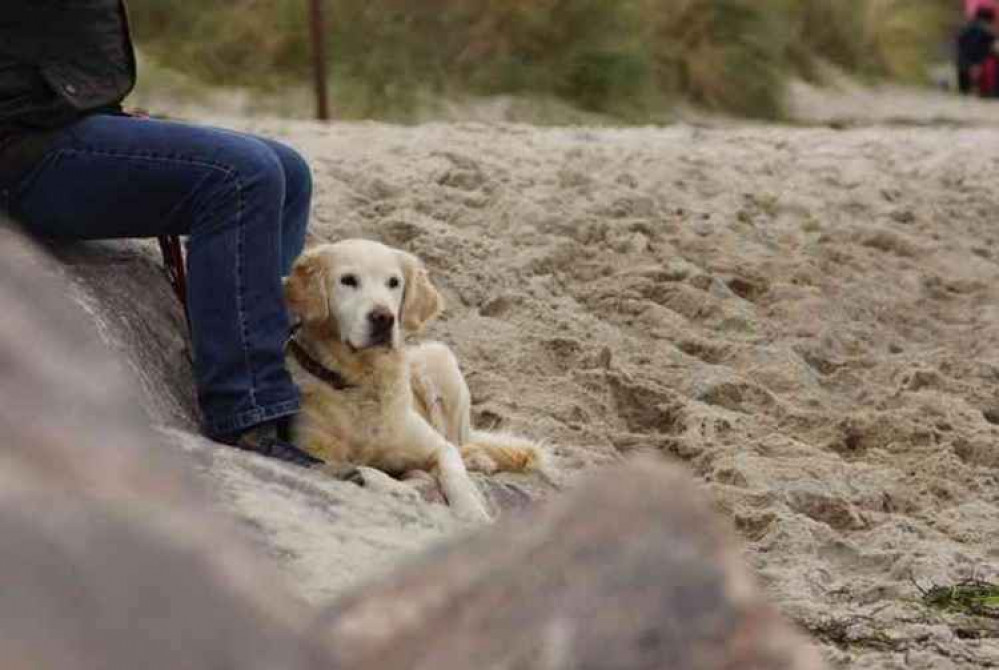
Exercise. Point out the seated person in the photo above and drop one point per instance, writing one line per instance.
(73, 165)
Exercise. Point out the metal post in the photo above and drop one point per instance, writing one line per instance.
(319, 60)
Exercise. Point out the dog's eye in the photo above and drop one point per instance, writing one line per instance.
(393, 282)
(349, 280)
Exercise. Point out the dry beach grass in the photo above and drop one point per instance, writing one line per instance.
(627, 60)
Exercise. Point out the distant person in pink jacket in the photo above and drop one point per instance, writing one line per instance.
(972, 6)
(977, 66)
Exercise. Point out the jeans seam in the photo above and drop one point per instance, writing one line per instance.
(194, 189)
(227, 169)
(224, 168)
(244, 335)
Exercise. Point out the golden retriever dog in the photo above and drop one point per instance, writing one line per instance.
(367, 398)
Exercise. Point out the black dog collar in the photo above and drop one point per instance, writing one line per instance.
(317, 369)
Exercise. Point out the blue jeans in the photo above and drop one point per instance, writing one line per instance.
(244, 204)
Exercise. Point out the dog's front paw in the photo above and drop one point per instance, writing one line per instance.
(344, 472)
(479, 516)
(425, 485)
(473, 510)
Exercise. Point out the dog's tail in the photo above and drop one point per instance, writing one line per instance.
(502, 452)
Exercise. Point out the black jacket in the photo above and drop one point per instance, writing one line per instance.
(974, 44)
(59, 60)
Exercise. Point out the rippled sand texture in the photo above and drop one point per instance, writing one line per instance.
(806, 317)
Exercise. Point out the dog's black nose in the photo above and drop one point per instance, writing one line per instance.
(381, 321)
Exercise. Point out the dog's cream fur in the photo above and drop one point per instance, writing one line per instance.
(408, 408)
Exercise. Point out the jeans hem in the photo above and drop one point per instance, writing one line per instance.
(250, 418)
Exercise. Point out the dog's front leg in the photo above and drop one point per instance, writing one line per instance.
(458, 486)
(455, 481)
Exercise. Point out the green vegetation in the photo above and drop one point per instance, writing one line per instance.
(974, 597)
(626, 59)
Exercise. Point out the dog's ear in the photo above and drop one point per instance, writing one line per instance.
(421, 301)
(305, 288)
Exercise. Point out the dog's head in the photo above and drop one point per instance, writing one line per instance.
(363, 293)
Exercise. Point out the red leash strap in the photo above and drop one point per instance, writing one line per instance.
(173, 263)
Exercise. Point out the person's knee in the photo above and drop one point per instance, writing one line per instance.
(249, 178)
(253, 164)
(297, 174)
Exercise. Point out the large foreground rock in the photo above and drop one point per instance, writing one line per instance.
(631, 571)
(113, 556)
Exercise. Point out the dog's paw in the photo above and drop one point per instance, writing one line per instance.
(475, 513)
(344, 472)
(425, 485)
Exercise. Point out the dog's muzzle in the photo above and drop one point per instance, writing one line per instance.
(382, 324)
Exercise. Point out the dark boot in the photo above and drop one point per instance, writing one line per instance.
(272, 439)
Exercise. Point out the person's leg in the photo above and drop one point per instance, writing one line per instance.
(963, 80)
(112, 176)
(297, 202)
(298, 198)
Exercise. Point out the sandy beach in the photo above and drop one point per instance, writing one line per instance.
(805, 316)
